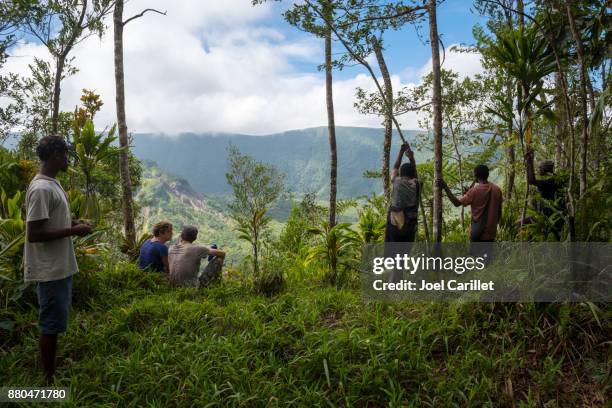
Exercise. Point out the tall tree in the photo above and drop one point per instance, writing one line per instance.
(527, 57)
(317, 19)
(60, 25)
(256, 186)
(434, 39)
(510, 139)
(500, 17)
(388, 118)
(357, 43)
(463, 108)
(124, 167)
(584, 84)
(331, 124)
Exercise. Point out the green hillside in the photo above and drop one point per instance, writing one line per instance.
(135, 341)
(302, 154)
(164, 196)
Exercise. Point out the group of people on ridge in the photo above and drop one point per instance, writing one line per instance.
(181, 262)
(484, 198)
(49, 257)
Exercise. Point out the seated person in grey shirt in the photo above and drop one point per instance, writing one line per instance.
(184, 260)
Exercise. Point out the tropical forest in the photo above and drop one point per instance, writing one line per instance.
(284, 142)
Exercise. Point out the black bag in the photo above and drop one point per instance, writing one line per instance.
(477, 227)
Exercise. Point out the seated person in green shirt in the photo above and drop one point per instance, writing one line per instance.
(184, 260)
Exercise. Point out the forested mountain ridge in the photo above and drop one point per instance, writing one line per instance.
(303, 155)
(163, 196)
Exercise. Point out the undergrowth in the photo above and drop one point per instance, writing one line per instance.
(134, 341)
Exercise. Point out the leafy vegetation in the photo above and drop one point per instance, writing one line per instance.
(134, 341)
(286, 325)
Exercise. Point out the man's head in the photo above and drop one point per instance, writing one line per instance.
(546, 167)
(163, 231)
(408, 170)
(481, 172)
(53, 151)
(189, 233)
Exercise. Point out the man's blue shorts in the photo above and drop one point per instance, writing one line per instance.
(54, 301)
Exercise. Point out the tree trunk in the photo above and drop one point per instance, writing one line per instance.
(510, 151)
(599, 141)
(437, 120)
(460, 163)
(560, 125)
(124, 168)
(388, 119)
(331, 124)
(571, 206)
(59, 70)
(525, 137)
(583, 100)
(255, 260)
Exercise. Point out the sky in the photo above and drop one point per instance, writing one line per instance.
(227, 66)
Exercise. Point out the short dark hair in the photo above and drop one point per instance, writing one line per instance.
(481, 172)
(189, 233)
(161, 227)
(48, 145)
(408, 170)
(547, 166)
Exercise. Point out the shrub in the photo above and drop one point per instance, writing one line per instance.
(271, 281)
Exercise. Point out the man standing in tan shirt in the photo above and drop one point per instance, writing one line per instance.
(484, 199)
(49, 258)
(184, 260)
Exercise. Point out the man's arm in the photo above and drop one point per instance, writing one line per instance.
(410, 155)
(37, 213)
(441, 183)
(216, 252)
(403, 149)
(39, 232)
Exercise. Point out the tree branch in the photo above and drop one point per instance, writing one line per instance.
(389, 107)
(408, 11)
(507, 8)
(163, 13)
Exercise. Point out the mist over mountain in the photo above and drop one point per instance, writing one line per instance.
(303, 155)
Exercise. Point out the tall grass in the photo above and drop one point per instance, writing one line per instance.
(133, 341)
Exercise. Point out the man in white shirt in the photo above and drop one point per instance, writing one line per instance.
(49, 256)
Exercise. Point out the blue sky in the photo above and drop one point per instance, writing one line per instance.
(405, 48)
(226, 66)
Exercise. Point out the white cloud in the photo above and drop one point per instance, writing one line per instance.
(464, 63)
(214, 66)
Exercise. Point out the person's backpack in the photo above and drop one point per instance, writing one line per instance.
(477, 227)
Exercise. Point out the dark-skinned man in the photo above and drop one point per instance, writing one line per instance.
(485, 201)
(550, 189)
(49, 257)
(403, 212)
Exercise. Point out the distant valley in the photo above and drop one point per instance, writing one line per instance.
(303, 155)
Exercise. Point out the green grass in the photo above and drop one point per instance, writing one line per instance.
(133, 341)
